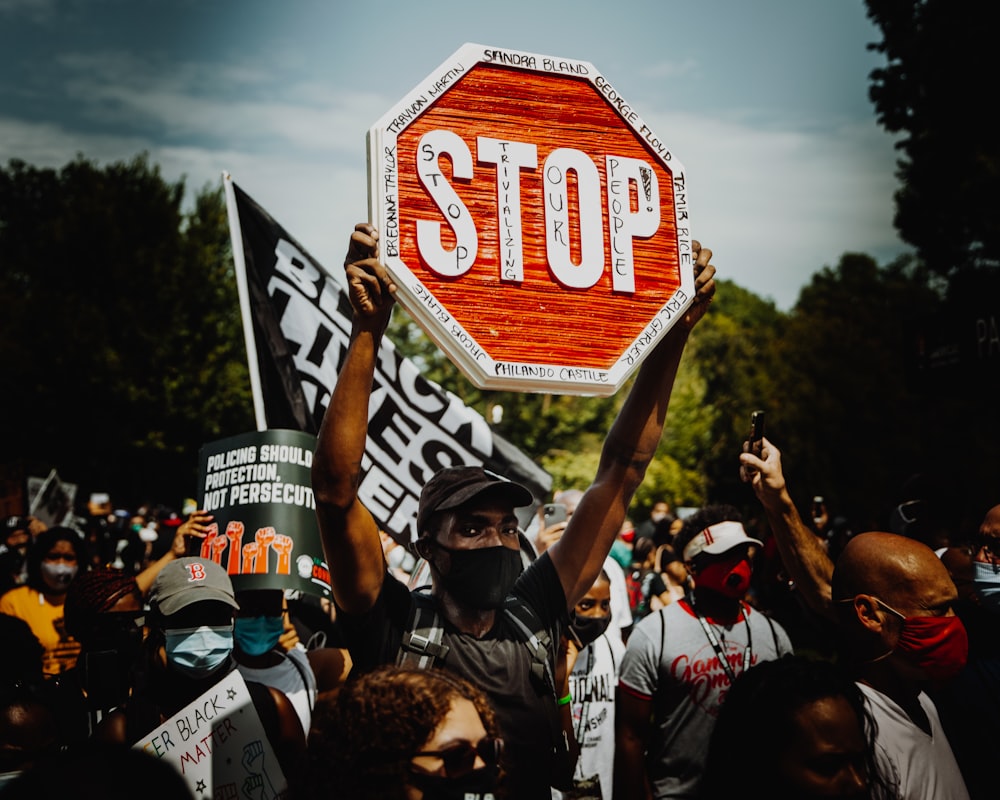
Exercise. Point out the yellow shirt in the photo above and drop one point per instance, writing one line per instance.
(46, 622)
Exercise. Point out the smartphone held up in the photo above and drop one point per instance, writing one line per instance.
(755, 443)
(757, 433)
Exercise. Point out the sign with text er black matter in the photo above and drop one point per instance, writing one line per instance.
(536, 226)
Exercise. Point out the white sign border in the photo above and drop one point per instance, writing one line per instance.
(439, 324)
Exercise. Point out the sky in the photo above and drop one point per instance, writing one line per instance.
(764, 102)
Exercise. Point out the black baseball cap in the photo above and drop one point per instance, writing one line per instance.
(452, 487)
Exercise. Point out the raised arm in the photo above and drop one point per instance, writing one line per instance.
(349, 532)
(630, 445)
(801, 552)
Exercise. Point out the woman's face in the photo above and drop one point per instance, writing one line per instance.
(461, 729)
(59, 566)
(825, 756)
(596, 602)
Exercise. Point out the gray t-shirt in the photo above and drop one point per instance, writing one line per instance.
(670, 660)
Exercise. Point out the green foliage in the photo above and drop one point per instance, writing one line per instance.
(122, 351)
(849, 416)
(121, 324)
(734, 352)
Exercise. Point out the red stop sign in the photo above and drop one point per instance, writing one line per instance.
(537, 228)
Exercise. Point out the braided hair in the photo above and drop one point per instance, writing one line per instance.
(91, 594)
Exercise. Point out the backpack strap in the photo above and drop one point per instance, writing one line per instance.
(421, 644)
(537, 639)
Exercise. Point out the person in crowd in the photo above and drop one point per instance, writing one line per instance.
(680, 661)
(188, 650)
(28, 726)
(658, 514)
(95, 769)
(794, 729)
(259, 625)
(15, 537)
(668, 562)
(647, 592)
(621, 617)
(969, 704)
(104, 613)
(468, 531)
(892, 599)
(399, 733)
(621, 547)
(400, 560)
(53, 562)
(594, 652)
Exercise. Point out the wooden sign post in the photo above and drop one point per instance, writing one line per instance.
(536, 226)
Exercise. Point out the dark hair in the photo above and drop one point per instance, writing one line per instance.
(641, 549)
(22, 659)
(661, 531)
(364, 734)
(99, 769)
(701, 519)
(41, 546)
(754, 724)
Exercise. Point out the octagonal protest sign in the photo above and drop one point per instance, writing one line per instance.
(535, 225)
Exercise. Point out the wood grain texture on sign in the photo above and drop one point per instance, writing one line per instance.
(573, 327)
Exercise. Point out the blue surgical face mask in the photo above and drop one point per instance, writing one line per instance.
(256, 635)
(198, 652)
(986, 581)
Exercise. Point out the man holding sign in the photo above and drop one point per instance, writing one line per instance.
(468, 532)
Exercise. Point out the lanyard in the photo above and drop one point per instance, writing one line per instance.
(714, 641)
(581, 726)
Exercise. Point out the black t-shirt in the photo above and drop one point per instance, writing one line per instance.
(499, 663)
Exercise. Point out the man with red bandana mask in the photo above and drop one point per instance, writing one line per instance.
(681, 660)
(892, 599)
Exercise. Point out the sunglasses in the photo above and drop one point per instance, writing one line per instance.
(460, 758)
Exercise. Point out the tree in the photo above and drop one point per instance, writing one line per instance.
(851, 423)
(119, 327)
(935, 90)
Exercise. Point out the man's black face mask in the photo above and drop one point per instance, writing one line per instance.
(481, 577)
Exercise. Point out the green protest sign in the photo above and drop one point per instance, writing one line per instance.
(258, 487)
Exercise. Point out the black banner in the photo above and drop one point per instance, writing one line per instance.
(302, 324)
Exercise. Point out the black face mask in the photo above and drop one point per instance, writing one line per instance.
(479, 784)
(482, 577)
(587, 629)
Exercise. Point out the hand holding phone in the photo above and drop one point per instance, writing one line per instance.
(755, 443)
(553, 513)
(757, 433)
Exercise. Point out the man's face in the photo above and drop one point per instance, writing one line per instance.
(480, 523)
(17, 539)
(987, 544)
(660, 511)
(930, 592)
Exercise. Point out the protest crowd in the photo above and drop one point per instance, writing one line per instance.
(576, 656)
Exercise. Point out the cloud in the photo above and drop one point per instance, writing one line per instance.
(669, 69)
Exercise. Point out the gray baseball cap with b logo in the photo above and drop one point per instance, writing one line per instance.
(190, 580)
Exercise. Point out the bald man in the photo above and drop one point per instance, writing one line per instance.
(892, 598)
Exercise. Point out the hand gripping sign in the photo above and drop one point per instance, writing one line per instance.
(536, 226)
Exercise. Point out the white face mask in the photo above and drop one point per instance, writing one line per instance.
(57, 575)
